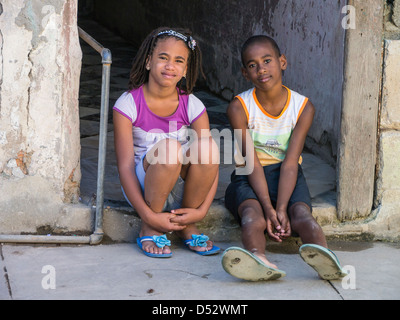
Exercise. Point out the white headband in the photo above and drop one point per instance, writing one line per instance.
(191, 43)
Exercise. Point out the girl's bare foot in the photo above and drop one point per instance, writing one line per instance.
(186, 234)
(150, 246)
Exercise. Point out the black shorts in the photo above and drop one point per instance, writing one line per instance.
(240, 190)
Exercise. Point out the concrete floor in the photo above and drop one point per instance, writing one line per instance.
(121, 271)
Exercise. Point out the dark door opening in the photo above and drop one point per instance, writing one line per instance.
(321, 177)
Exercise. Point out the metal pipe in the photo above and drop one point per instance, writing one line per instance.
(105, 90)
(98, 233)
(90, 41)
(45, 239)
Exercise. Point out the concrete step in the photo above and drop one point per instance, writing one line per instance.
(122, 223)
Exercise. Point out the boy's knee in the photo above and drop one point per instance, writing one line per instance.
(251, 218)
(301, 217)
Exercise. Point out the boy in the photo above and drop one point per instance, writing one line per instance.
(274, 197)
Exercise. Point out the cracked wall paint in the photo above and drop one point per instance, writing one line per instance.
(1, 67)
(40, 60)
(36, 16)
(15, 81)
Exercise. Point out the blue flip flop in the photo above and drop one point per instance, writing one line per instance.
(160, 241)
(322, 260)
(200, 240)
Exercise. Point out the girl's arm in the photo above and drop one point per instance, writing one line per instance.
(289, 168)
(192, 215)
(238, 120)
(124, 151)
(202, 128)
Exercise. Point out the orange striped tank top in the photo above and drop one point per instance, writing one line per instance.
(270, 134)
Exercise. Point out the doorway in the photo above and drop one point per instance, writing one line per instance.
(319, 170)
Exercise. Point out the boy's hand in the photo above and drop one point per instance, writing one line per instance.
(273, 226)
(278, 225)
(285, 230)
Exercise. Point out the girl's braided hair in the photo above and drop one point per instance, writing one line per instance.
(139, 75)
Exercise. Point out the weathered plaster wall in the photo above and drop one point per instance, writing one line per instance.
(40, 60)
(309, 33)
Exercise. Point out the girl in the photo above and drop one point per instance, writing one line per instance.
(169, 177)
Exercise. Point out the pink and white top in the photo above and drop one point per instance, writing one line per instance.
(149, 128)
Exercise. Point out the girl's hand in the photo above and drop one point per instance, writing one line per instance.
(186, 216)
(163, 222)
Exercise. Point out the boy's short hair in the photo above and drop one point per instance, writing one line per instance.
(257, 39)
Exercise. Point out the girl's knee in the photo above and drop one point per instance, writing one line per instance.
(166, 152)
(204, 151)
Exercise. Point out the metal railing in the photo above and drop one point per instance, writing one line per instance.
(106, 60)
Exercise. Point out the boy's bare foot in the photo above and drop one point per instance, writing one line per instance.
(264, 259)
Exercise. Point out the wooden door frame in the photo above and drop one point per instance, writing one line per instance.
(357, 145)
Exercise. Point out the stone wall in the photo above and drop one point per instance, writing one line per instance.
(308, 32)
(388, 167)
(40, 60)
(384, 221)
(392, 19)
(387, 198)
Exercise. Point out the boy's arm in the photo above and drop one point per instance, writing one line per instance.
(238, 120)
(289, 168)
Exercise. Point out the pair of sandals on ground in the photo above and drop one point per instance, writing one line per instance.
(198, 240)
(242, 264)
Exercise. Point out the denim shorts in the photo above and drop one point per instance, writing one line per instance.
(174, 200)
(240, 190)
